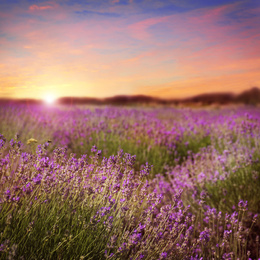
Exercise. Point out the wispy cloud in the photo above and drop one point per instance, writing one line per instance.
(43, 6)
(37, 8)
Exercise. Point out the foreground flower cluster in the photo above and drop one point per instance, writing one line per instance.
(55, 204)
(101, 208)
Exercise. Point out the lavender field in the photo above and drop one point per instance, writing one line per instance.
(82, 182)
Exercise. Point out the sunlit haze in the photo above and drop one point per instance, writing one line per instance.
(49, 99)
(168, 49)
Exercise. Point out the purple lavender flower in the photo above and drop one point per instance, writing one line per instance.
(204, 236)
(93, 149)
(146, 170)
(163, 255)
(2, 143)
(37, 179)
(135, 238)
(242, 205)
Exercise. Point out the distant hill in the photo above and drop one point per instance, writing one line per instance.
(134, 99)
(251, 97)
(116, 100)
(219, 98)
(20, 101)
(78, 100)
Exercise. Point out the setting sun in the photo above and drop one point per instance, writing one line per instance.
(49, 99)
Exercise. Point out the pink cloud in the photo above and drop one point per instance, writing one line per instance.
(139, 30)
(47, 6)
(36, 7)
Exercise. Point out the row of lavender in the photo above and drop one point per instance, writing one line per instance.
(161, 136)
(57, 205)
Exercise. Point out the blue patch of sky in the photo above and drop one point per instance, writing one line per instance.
(32, 16)
(99, 3)
(166, 9)
(238, 15)
(8, 37)
(148, 4)
(123, 2)
(151, 8)
(162, 31)
(242, 13)
(169, 7)
(211, 3)
(36, 1)
(94, 13)
(10, 2)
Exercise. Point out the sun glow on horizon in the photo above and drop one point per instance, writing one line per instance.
(49, 99)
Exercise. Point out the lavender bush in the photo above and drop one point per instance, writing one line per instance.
(68, 191)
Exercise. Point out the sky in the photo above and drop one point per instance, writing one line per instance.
(92, 48)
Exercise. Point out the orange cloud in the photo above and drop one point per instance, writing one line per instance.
(41, 8)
